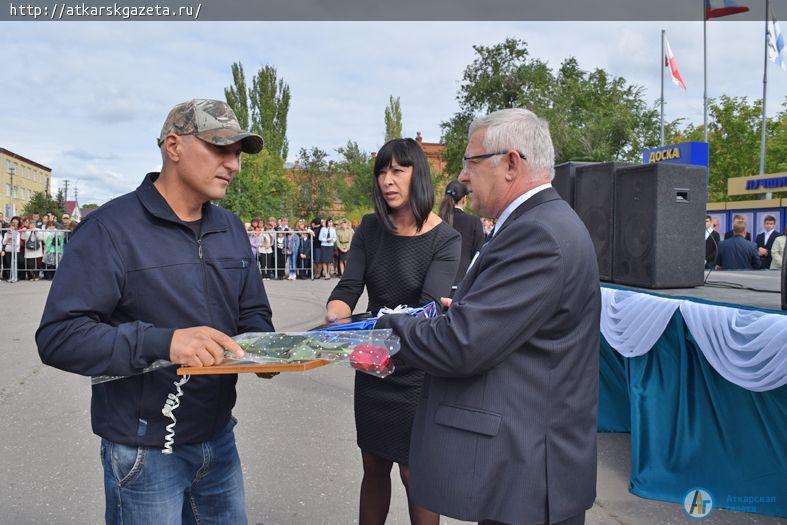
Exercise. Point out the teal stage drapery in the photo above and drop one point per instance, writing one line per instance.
(690, 427)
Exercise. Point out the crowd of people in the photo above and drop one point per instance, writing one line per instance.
(738, 252)
(313, 251)
(32, 246)
(320, 250)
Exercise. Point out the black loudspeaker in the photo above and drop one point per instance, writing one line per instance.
(563, 182)
(594, 202)
(659, 219)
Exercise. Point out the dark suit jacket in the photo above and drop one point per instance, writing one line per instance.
(506, 426)
(738, 254)
(469, 227)
(730, 234)
(766, 260)
(711, 247)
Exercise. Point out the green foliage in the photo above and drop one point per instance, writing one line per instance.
(91, 206)
(260, 188)
(60, 199)
(237, 95)
(734, 131)
(354, 177)
(455, 139)
(42, 203)
(592, 115)
(270, 104)
(599, 117)
(393, 119)
(263, 108)
(776, 145)
(314, 180)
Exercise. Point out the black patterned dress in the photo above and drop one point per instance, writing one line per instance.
(395, 270)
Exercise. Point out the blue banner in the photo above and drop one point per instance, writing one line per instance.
(695, 153)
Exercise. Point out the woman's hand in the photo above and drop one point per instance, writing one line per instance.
(337, 312)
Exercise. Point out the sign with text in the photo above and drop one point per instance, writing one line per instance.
(757, 184)
(695, 153)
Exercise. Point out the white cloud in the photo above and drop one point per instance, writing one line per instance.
(88, 99)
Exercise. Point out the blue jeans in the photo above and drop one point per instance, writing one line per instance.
(196, 484)
(292, 259)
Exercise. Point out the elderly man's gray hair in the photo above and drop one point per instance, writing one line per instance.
(521, 130)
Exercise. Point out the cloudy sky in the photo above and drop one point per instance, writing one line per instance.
(89, 99)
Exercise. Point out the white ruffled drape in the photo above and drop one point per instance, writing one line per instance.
(747, 348)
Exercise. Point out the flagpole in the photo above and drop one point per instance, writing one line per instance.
(704, 72)
(662, 87)
(764, 93)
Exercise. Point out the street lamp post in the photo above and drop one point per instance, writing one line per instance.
(12, 171)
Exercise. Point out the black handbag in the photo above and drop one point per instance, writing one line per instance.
(33, 243)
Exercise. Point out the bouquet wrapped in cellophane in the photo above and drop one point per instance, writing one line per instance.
(369, 351)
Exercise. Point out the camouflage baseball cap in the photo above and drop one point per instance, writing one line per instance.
(212, 121)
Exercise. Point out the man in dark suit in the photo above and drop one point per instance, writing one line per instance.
(738, 253)
(712, 241)
(765, 241)
(737, 218)
(505, 432)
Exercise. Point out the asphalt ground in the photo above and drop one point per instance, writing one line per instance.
(296, 436)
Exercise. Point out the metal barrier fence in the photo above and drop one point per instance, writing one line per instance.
(271, 250)
(35, 253)
(30, 254)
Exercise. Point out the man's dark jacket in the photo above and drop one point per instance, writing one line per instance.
(711, 247)
(766, 259)
(738, 254)
(730, 234)
(131, 274)
(505, 429)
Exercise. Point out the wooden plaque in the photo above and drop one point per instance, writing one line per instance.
(232, 366)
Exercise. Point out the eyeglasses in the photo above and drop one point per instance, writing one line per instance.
(487, 156)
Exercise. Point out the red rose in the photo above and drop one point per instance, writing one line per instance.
(370, 358)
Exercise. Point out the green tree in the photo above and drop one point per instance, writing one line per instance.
(263, 108)
(60, 199)
(354, 177)
(599, 117)
(393, 119)
(592, 115)
(90, 206)
(237, 95)
(260, 188)
(40, 202)
(776, 145)
(314, 180)
(734, 132)
(270, 105)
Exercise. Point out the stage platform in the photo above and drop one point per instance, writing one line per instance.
(753, 288)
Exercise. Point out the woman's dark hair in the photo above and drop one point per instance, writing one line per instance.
(454, 192)
(406, 152)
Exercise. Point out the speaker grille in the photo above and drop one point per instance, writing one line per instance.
(659, 220)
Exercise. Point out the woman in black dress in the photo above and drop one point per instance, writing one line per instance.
(468, 226)
(403, 254)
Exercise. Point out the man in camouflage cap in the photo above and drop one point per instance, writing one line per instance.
(211, 120)
(161, 273)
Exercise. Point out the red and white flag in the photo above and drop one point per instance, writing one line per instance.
(669, 61)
